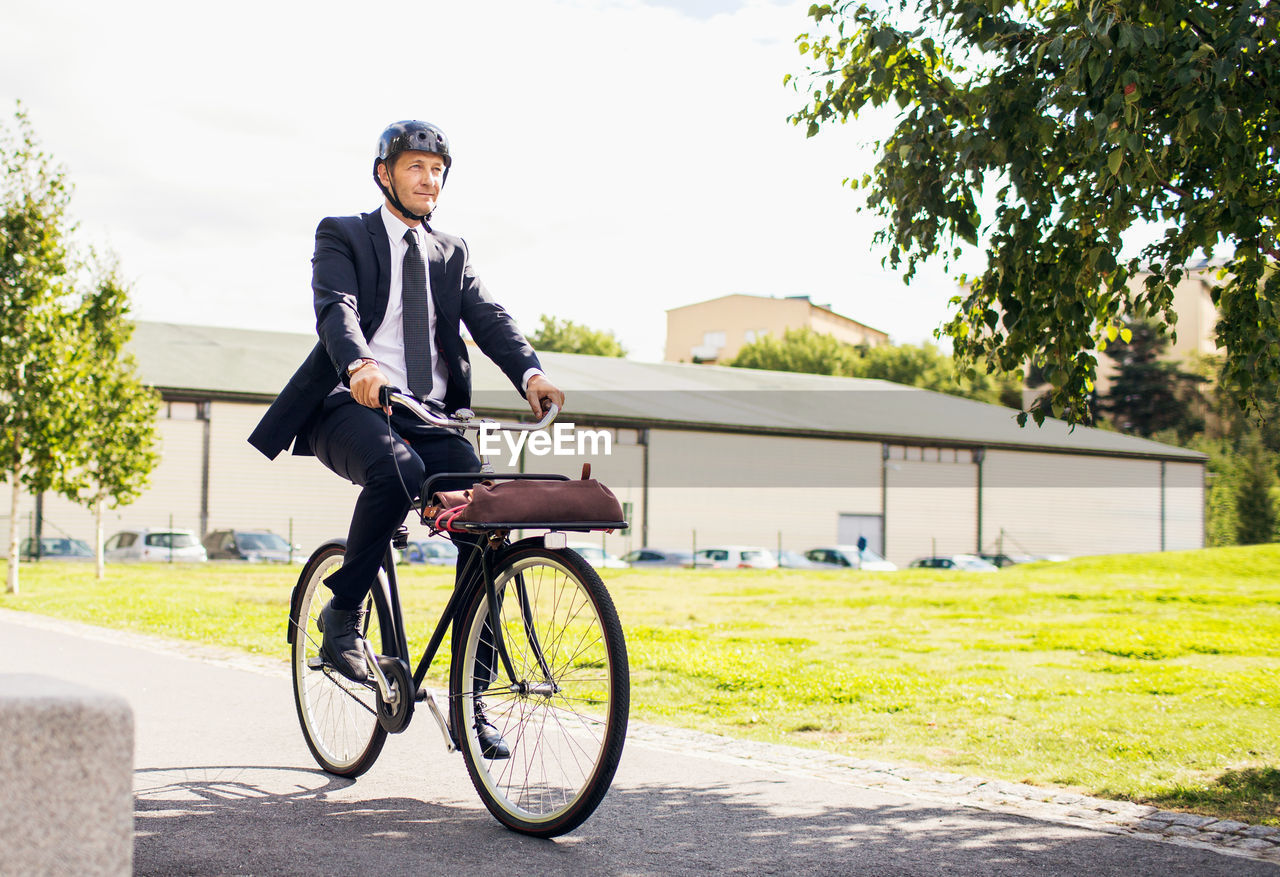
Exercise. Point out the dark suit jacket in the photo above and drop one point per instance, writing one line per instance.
(351, 282)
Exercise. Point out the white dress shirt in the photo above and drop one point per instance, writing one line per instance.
(387, 343)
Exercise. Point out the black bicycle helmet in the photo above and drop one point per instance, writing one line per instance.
(402, 137)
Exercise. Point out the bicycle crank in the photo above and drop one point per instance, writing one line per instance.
(394, 686)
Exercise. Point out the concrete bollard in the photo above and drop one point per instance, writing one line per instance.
(66, 779)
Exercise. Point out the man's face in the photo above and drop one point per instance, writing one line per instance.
(418, 177)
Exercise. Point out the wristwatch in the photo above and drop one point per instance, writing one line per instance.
(359, 364)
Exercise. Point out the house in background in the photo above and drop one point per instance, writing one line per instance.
(714, 331)
(1196, 327)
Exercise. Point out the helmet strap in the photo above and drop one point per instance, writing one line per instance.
(390, 192)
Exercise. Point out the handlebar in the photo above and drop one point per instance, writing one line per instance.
(463, 418)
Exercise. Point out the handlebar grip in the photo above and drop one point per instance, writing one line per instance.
(384, 394)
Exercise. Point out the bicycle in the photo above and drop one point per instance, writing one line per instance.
(535, 633)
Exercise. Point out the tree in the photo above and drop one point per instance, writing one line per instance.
(1222, 524)
(1149, 394)
(1239, 427)
(798, 350)
(33, 320)
(1255, 504)
(116, 440)
(566, 336)
(1078, 121)
(74, 418)
(925, 366)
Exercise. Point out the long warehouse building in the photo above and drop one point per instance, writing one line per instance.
(700, 455)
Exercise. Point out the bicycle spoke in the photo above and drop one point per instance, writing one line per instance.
(564, 715)
(339, 717)
(340, 682)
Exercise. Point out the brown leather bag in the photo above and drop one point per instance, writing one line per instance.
(536, 501)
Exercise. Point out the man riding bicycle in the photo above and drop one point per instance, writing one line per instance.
(391, 294)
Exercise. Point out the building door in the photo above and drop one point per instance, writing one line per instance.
(850, 527)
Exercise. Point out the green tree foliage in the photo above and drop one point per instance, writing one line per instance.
(928, 367)
(1222, 486)
(924, 366)
(1077, 121)
(71, 408)
(33, 319)
(1255, 500)
(798, 350)
(1149, 394)
(566, 336)
(1243, 450)
(116, 448)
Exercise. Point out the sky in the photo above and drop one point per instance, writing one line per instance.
(612, 158)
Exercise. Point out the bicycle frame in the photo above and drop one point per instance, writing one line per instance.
(540, 746)
(491, 539)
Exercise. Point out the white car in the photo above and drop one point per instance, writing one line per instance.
(850, 556)
(598, 557)
(966, 562)
(176, 545)
(734, 557)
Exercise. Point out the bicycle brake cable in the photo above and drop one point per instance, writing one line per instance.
(391, 438)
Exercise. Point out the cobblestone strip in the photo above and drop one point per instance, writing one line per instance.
(1115, 817)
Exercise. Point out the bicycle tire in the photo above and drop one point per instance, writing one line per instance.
(339, 717)
(565, 738)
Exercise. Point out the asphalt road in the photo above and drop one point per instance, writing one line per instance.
(225, 785)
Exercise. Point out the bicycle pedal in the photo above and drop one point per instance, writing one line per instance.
(316, 663)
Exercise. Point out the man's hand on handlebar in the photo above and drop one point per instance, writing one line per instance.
(365, 384)
(541, 395)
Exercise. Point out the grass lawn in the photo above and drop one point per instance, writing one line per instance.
(1145, 677)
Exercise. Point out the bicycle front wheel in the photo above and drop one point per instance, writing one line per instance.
(564, 715)
(339, 717)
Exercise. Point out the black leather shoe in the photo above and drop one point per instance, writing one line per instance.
(491, 743)
(341, 646)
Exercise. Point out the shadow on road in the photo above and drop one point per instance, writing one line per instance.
(270, 820)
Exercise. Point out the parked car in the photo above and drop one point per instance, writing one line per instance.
(432, 552)
(253, 546)
(1003, 560)
(850, 556)
(646, 557)
(56, 548)
(966, 562)
(735, 557)
(598, 557)
(178, 545)
(796, 560)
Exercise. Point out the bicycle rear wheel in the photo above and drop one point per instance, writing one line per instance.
(564, 716)
(339, 717)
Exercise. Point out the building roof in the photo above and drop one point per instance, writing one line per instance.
(251, 365)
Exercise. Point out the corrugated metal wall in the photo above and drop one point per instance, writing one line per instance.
(248, 491)
(174, 489)
(715, 487)
(1041, 503)
(1184, 506)
(756, 490)
(932, 502)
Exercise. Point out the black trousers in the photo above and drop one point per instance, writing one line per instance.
(390, 467)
